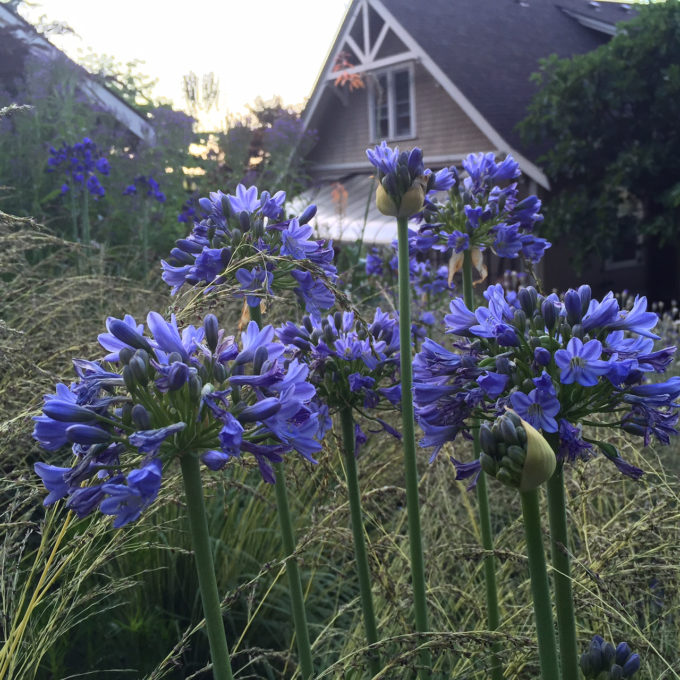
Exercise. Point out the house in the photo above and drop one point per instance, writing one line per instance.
(449, 76)
(26, 38)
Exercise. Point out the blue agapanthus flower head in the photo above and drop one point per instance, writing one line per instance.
(246, 240)
(404, 180)
(171, 392)
(564, 362)
(350, 363)
(80, 164)
(483, 210)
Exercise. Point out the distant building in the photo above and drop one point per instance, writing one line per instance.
(449, 76)
(20, 38)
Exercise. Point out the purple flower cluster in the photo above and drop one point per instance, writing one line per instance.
(603, 658)
(80, 164)
(167, 394)
(251, 226)
(350, 363)
(148, 185)
(557, 362)
(480, 214)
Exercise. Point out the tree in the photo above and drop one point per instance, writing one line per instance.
(611, 120)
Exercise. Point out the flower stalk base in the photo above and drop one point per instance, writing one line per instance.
(219, 652)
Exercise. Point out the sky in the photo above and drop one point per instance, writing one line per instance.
(256, 48)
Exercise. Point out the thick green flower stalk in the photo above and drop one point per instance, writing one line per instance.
(353, 366)
(404, 182)
(197, 396)
(517, 455)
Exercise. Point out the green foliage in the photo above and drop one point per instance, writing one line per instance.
(610, 118)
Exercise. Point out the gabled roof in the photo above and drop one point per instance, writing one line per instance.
(483, 52)
(92, 89)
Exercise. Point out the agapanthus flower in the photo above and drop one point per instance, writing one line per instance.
(480, 214)
(404, 180)
(251, 227)
(82, 164)
(566, 364)
(147, 186)
(169, 392)
(350, 364)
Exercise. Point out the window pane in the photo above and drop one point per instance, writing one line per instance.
(381, 107)
(402, 102)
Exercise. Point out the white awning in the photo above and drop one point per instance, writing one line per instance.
(346, 211)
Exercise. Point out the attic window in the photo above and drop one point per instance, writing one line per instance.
(392, 105)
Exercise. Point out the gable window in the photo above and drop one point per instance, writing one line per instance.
(392, 104)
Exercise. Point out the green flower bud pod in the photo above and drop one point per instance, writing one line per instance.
(608, 652)
(125, 355)
(236, 236)
(522, 456)
(488, 464)
(385, 203)
(520, 320)
(129, 378)
(586, 668)
(141, 417)
(138, 368)
(195, 386)
(487, 440)
(540, 462)
(577, 331)
(226, 207)
(220, 373)
(616, 672)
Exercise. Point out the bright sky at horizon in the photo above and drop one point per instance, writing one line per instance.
(259, 48)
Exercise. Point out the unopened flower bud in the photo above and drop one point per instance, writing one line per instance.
(520, 456)
(125, 355)
(549, 314)
(307, 323)
(261, 355)
(195, 386)
(138, 370)
(141, 417)
(577, 331)
(210, 326)
(307, 215)
(526, 301)
(226, 207)
(631, 666)
(622, 653)
(244, 221)
(542, 356)
(585, 295)
(337, 319)
(174, 357)
(128, 335)
(220, 372)
(616, 672)
(87, 435)
(520, 320)
(129, 378)
(572, 305)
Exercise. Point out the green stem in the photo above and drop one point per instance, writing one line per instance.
(493, 614)
(294, 584)
(409, 442)
(564, 599)
(360, 554)
(256, 315)
(540, 591)
(86, 217)
(207, 583)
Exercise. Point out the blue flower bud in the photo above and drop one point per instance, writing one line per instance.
(261, 355)
(244, 221)
(206, 204)
(87, 435)
(616, 672)
(181, 256)
(608, 653)
(195, 386)
(138, 370)
(526, 301)
(128, 335)
(572, 304)
(622, 653)
(141, 417)
(67, 412)
(129, 378)
(210, 325)
(189, 246)
(265, 408)
(307, 215)
(542, 356)
(226, 207)
(125, 355)
(585, 295)
(631, 666)
(220, 372)
(549, 314)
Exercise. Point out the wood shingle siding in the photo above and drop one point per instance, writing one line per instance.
(442, 128)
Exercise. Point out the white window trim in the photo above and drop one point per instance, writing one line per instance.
(391, 106)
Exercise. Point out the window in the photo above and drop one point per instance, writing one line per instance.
(392, 105)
